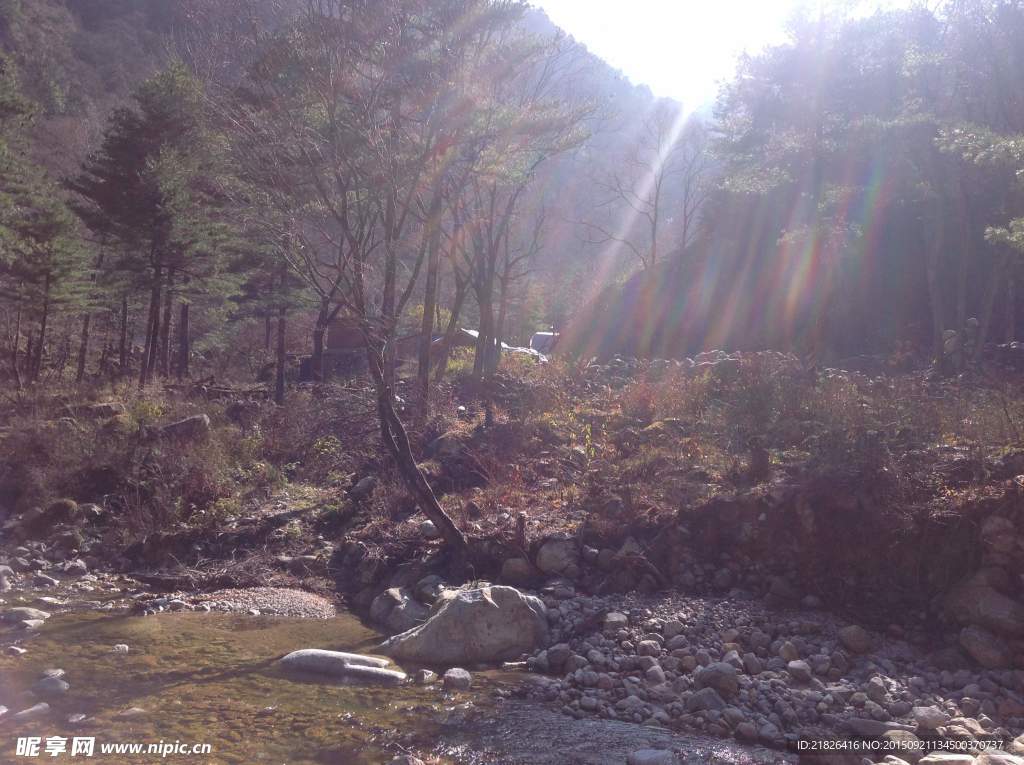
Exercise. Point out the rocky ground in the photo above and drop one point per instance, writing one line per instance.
(736, 668)
(734, 546)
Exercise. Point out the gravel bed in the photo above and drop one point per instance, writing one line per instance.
(278, 601)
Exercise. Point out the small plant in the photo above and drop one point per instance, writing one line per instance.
(146, 411)
(460, 362)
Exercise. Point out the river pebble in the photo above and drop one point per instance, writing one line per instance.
(279, 601)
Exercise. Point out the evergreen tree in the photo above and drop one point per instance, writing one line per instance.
(152, 188)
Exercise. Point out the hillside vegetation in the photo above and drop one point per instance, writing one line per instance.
(767, 483)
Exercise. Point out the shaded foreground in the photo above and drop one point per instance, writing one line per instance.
(211, 678)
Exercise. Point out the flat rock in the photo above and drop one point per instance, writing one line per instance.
(340, 664)
(32, 713)
(23, 613)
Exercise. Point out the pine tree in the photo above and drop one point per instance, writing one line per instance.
(152, 189)
(41, 255)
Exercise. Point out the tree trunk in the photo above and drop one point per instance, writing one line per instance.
(152, 327)
(279, 377)
(484, 337)
(396, 441)
(429, 305)
(83, 348)
(164, 359)
(319, 337)
(184, 341)
(154, 344)
(1010, 307)
(389, 296)
(30, 349)
(461, 291)
(14, 348)
(122, 351)
(499, 329)
(268, 332)
(935, 301)
(37, 365)
(988, 302)
(966, 256)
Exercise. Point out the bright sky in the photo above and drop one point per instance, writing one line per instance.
(681, 49)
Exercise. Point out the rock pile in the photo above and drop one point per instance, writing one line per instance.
(728, 668)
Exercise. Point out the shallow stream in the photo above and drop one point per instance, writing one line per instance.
(211, 678)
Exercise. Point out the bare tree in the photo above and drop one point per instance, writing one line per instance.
(654, 202)
(347, 153)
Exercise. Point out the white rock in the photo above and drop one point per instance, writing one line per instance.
(339, 664)
(32, 713)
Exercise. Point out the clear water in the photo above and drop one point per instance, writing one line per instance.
(208, 678)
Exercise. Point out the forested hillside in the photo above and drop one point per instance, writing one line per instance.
(416, 318)
(79, 91)
(855, 190)
(870, 194)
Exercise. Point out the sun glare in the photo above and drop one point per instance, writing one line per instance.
(683, 49)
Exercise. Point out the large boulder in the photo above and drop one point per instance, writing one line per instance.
(990, 651)
(976, 600)
(488, 624)
(558, 556)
